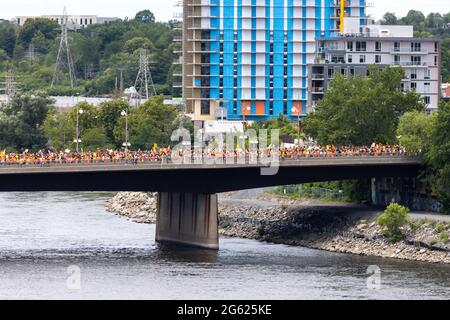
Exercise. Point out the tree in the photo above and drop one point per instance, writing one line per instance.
(7, 38)
(94, 139)
(362, 110)
(21, 121)
(150, 123)
(415, 18)
(438, 156)
(389, 18)
(57, 130)
(392, 221)
(414, 131)
(109, 116)
(47, 27)
(145, 16)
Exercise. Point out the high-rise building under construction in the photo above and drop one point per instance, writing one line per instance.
(249, 58)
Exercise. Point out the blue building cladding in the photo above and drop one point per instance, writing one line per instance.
(259, 51)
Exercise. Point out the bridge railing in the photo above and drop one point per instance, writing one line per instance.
(193, 161)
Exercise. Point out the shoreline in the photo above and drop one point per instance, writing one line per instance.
(334, 227)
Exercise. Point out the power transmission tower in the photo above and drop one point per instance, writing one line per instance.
(64, 59)
(144, 77)
(31, 54)
(10, 85)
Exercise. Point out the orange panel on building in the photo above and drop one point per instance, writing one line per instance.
(260, 107)
(245, 107)
(297, 105)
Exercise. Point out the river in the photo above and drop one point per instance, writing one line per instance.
(66, 246)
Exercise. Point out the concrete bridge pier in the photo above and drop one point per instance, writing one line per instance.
(188, 219)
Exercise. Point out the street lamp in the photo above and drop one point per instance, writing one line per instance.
(126, 144)
(78, 140)
(248, 108)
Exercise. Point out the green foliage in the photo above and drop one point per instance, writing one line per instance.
(362, 110)
(94, 138)
(443, 236)
(100, 53)
(22, 120)
(414, 131)
(438, 155)
(149, 123)
(7, 38)
(39, 28)
(345, 190)
(282, 123)
(392, 220)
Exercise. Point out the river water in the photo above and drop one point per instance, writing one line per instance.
(66, 246)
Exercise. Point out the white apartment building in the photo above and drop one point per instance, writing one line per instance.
(74, 22)
(352, 52)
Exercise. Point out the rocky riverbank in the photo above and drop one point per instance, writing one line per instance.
(337, 228)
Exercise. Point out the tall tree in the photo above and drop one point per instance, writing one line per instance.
(362, 110)
(21, 121)
(389, 18)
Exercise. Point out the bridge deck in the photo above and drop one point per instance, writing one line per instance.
(200, 178)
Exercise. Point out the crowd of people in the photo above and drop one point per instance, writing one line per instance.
(166, 154)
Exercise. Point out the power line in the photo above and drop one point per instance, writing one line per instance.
(64, 59)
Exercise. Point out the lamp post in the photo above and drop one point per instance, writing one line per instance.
(294, 109)
(78, 140)
(126, 144)
(248, 108)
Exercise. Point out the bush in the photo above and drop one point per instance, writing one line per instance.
(444, 237)
(392, 220)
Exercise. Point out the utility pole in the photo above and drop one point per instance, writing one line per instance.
(144, 77)
(64, 59)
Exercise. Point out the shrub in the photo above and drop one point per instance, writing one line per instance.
(433, 242)
(444, 237)
(392, 220)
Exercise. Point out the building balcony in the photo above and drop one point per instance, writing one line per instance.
(409, 52)
(411, 64)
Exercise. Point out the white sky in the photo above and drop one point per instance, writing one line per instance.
(163, 9)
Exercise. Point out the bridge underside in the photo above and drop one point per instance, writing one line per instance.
(207, 180)
(187, 206)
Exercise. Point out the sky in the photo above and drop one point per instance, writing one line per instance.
(163, 9)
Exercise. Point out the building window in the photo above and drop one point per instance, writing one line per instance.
(378, 46)
(205, 110)
(90, 21)
(413, 85)
(377, 58)
(397, 59)
(416, 46)
(436, 47)
(416, 60)
(426, 87)
(350, 58)
(361, 46)
(427, 75)
(435, 60)
(362, 59)
(413, 74)
(350, 46)
(426, 100)
(397, 46)
(352, 72)
(402, 87)
(330, 73)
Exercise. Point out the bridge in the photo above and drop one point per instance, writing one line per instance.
(187, 194)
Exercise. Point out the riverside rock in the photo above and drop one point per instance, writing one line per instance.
(343, 229)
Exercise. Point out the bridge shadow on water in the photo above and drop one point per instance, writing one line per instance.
(182, 253)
